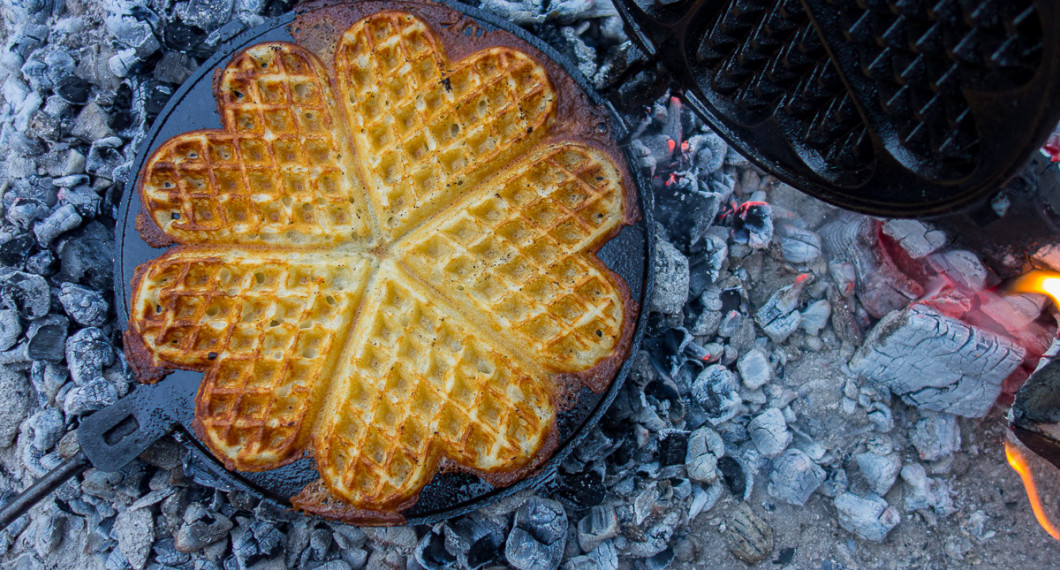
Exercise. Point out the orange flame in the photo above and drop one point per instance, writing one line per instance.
(1045, 282)
(1018, 462)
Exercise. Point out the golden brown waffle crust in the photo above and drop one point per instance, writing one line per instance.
(317, 28)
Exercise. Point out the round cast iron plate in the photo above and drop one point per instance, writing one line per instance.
(449, 494)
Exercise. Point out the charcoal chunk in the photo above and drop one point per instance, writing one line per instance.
(88, 352)
(751, 538)
(73, 90)
(539, 536)
(769, 432)
(27, 293)
(84, 305)
(135, 533)
(16, 394)
(937, 362)
(795, 477)
(47, 338)
(86, 256)
(869, 517)
(196, 535)
(10, 328)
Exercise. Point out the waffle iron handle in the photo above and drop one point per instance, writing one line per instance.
(117, 434)
(112, 437)
(25, 500)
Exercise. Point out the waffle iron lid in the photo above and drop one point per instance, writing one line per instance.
(889, 107)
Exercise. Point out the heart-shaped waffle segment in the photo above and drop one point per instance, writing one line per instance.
(402, 281)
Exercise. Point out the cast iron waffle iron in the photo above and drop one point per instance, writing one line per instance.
(889, 107)
(112, 437)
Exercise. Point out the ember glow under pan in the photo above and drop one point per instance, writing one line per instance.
(115, 435)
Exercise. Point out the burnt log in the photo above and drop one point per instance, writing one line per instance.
(937, 362)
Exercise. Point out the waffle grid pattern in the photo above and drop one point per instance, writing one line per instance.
(921, 58)
(517, 252)
(411, 124)
(480, 408)
(379, 386)
(274, 319)
(274, 174)
(769, 61)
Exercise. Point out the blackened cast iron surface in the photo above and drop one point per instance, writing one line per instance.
(110, 438)
(889, 107)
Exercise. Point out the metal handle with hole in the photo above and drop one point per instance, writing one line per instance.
(115, 435)
(112, 437)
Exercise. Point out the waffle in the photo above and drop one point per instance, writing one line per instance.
(405, 282)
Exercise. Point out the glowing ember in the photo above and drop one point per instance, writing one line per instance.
(1019, 462)
(1038, 282)
(1052, 146)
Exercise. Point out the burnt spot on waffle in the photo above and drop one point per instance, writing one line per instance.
(401, 283)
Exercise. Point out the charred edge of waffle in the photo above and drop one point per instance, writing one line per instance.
(199, 429)
(146, 226)
(505, 477)
(600, 376)
(141, 359)
(316, 499)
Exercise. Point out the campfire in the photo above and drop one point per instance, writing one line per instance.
(815, 387)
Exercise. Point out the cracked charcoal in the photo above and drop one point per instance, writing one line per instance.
(85, 306)
(27, 293)
(89, 397)
(880, 471)
(705, 447)
(915, 353)
(88, 351)
(539, 535)
(769, 432)
(795, 477)
(869, 517)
